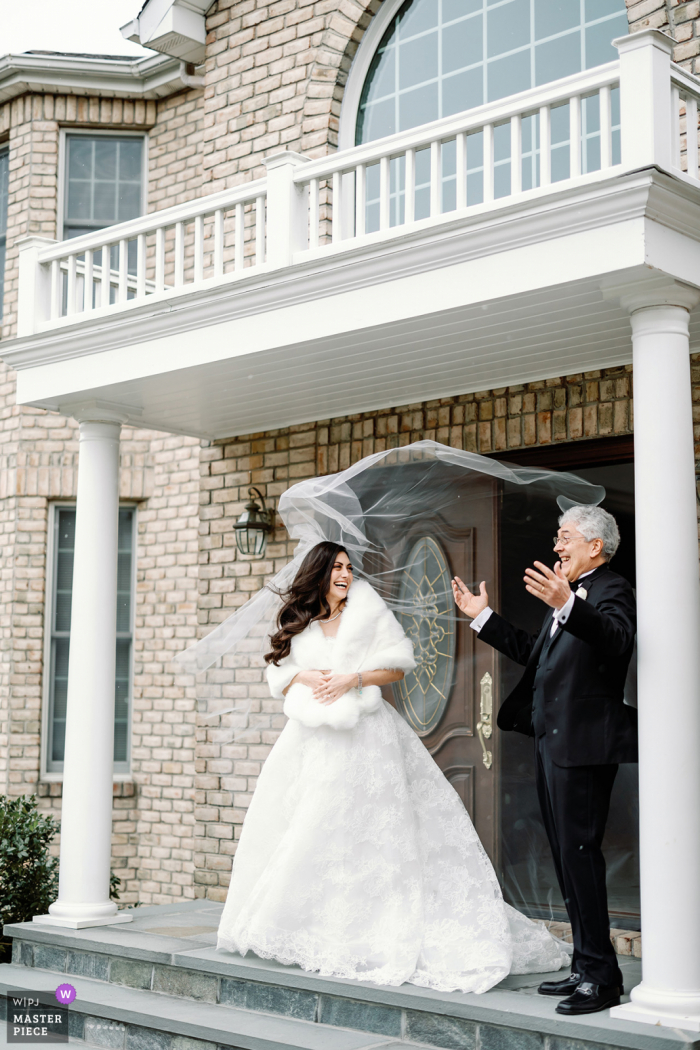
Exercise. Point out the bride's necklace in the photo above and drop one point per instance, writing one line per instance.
(332, 618)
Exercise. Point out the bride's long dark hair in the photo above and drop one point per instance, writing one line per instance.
(306, 598)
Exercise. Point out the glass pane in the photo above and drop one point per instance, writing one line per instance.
(377, 121)
(462, 45)
(555, 16)
(417, 16)
(462, 91)
(599, 39)
(79, 200)
(507, 28)
(558, 58)
(507, 76)
(106, 159)
(452, 9)
(80, 159)
(59, 689)
(129, 203)
(418, 107)
(130, 157)
(105, 206)
(418, 60)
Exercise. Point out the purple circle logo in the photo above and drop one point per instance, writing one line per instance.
(65, 994)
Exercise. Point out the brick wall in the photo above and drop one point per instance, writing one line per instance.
(153, 818)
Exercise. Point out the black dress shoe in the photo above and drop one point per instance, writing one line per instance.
(590, 998)
(565, 986)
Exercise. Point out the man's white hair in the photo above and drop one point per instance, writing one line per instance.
(594, 523)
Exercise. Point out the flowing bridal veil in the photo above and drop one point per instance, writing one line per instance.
(358, 858)
(369, 508)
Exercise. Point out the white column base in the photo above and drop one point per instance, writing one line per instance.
(644, 1015)
(81, 924)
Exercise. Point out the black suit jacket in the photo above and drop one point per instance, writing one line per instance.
(586, 720)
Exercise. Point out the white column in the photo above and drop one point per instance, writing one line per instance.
(86, 817)
(668, 604)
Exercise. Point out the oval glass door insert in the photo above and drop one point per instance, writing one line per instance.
(426, 590)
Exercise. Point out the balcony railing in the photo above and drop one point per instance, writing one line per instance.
(640, 111)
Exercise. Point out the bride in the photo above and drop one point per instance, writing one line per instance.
(357, 858)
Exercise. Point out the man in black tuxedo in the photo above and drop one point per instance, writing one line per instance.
(571, 700)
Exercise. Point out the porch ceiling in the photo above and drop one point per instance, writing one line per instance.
(558, 330)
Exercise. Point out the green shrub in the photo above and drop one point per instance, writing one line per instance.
(28, 874)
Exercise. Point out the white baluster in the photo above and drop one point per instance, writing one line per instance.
(259, 231)
(55, 289)
(141, 266)
(314, 217)
(106, 288)
(360, 199)
(691, 133)
(574, 136)
(219, 240)
(605, 127)
(675, 127)
(123, 270)
(179, 254)
(516, 154)
(199, 247)
(384, 193)
(160, 259)
(461, 169)
(238, 238)
(488, 163)
(87, 282)
(337, 207)
(70, 301)
(410, 194)
(435, 179)
(545, 147)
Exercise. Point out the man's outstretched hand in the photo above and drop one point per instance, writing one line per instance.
(470, 604)
(551, 586)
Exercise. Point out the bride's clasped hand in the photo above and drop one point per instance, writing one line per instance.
(357, 858)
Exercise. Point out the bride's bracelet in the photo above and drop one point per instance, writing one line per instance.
(359, 683)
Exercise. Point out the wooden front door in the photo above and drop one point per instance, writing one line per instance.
(454, 690)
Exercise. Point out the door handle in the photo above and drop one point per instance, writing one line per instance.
(484, 727)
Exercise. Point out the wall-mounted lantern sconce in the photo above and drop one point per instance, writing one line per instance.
(254, 526)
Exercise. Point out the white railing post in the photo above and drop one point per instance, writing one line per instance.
(287, 209)
(645, 99)
(34, 292)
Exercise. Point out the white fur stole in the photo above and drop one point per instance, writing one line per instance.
(369, 639)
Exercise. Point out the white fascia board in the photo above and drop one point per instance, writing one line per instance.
(151, 77)
(569, 259)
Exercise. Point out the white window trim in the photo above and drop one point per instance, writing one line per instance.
(91, 133)
(360, 68)
(54, 777)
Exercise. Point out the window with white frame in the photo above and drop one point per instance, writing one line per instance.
(60, 598)
(439, 57)
(4, 181)
(103, 182)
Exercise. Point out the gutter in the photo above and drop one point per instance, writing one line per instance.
(151, 77)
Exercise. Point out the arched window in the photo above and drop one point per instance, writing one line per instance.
(439, 57)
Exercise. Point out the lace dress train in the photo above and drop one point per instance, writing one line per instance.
(357, 859)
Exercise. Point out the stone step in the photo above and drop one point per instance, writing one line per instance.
(169, 950)
(120, 1018)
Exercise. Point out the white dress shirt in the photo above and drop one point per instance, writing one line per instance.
(559, 616)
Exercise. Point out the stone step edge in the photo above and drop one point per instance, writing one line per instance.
(178, 1017)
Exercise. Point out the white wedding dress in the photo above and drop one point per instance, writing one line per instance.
(357, 859)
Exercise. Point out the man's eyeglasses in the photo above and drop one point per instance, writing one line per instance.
(564, 540)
